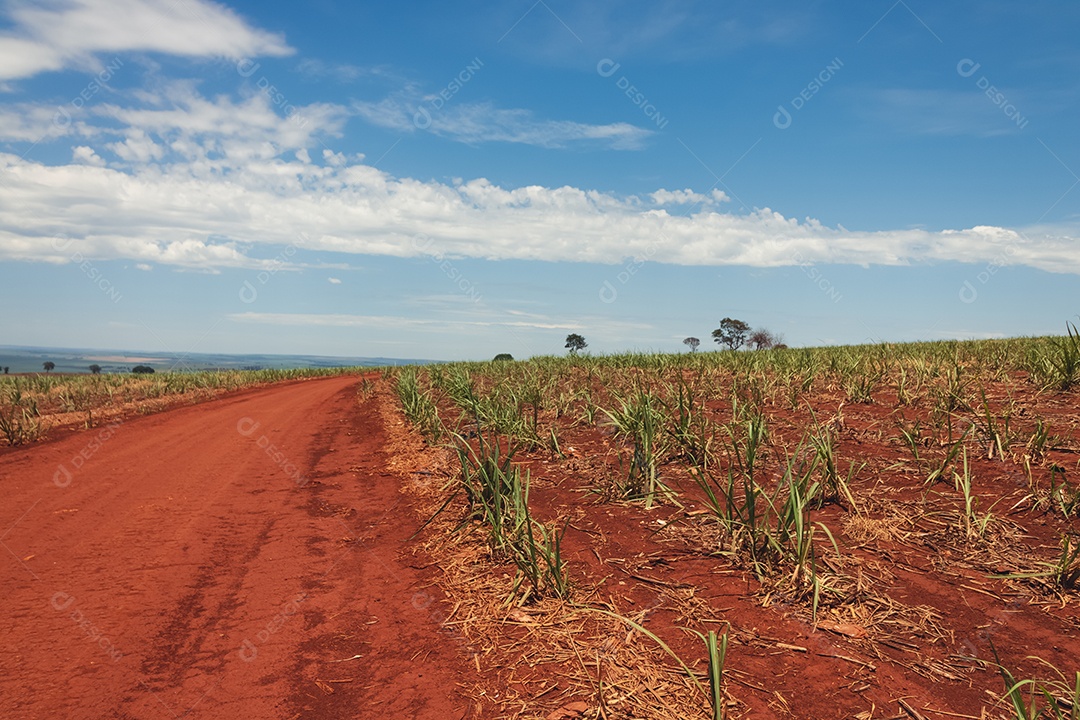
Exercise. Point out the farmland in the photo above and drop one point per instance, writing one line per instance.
(874, 531)
(32, 405)
(880, 531)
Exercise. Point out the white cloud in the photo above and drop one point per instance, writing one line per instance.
(195, 183)
(966, 111)
(182, 116)
(334, 281)
(86, 155)
(77, 33)
(138, 148)
(688, 197)
(26, 122)
(476, 123)
(385, 321)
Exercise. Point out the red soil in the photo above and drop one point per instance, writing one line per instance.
(174, 566)
(779, 664)
(195, 564)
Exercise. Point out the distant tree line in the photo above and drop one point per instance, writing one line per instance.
(732, 334)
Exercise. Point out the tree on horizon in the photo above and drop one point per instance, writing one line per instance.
(692, 343)
(49, 365)
(762, 339)
(575, 343)
(731, 333)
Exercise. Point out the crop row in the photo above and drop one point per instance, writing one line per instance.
(709, 418)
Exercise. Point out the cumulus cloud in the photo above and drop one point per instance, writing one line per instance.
(84, 154)
(689, 197)
(78, 33)
(189, 182)
(180, 115)
(334, 281)
(28, 122)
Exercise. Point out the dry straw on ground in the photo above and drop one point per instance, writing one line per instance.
(552, 659)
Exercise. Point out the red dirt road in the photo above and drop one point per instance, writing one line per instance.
(229, 559)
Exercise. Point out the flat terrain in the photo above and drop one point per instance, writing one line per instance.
(237, 558)
(257, 554)
(941, 541)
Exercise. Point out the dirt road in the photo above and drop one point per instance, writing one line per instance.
(240, 558)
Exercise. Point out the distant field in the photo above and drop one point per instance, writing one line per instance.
(25, 359)
(31, 405)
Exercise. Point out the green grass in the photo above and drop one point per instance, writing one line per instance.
(972, 523)
(497, 498)
(1062, 574)
(1057, 366)
(418, 405)
(1054, 698)
(640, 419)
(836, 486)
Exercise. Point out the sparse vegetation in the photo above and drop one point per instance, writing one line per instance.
(807, 470)
(1053, 698)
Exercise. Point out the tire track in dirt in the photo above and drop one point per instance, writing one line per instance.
(218, 559)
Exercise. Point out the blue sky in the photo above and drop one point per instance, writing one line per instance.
(451, 181)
